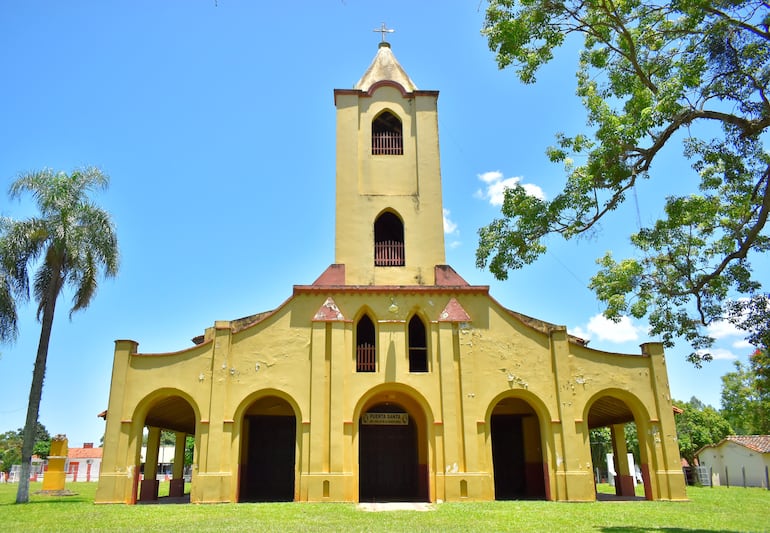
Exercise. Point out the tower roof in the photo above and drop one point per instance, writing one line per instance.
(385, 66)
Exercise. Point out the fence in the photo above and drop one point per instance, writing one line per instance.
(705, 476)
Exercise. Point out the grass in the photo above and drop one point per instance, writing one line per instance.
(709, 510)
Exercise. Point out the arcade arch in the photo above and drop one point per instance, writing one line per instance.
(621, 412)
(173, 411)
(393, 451)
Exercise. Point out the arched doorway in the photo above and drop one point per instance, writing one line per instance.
(268, 451)
(517, 453)
(170, 424)
(614, 434)
(389, 456)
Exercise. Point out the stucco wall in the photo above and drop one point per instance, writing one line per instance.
(473, 366)
(736, 465)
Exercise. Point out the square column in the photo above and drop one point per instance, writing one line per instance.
(149, 488)
(176, 489)
(624, 480)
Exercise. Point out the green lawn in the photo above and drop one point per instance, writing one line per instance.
(717, 509)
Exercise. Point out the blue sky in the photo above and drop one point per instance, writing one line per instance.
(215, 121)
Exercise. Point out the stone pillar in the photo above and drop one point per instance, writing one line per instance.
(176, 488)
(213, 481)
(666, 480)
(571, 466)
(119, 468)
(624, 480)
(149, 489)
(448, 447)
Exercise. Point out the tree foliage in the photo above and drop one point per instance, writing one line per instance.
(72, 242)
(649, 75)
(697, 426)
(10, 446)
(746, 396)
(10, 450)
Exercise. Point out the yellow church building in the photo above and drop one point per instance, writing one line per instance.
(389, 378)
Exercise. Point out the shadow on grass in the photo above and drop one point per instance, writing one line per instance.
(166, 500)
(626, 529)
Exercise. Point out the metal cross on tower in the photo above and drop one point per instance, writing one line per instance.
(383, 30)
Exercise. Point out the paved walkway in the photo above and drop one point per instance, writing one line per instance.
(396, 506)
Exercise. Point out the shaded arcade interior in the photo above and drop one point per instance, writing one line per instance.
(174, 414)
(614, 413)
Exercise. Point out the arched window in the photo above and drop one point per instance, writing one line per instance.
(418, 346)
(388, 240)
(387, 138)
(366, 354)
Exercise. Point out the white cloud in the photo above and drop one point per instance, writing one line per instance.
(455, 244)
(496, 184)
(607, 330)
(720, 354)
(581, 333)
(491, 176)
(533, 190)
(742, 344)
(449, 226)
(721, 329)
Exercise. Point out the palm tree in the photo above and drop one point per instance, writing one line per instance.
(7, 306)
(70, 243)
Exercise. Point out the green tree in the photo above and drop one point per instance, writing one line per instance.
(746, 400)
(10, 446)
(760, 363)
(10, 450)
(71, 242)
(8, 317)
(698, 425)
(652, 73)
(189, 450)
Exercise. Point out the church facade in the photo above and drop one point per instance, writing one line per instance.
(390, 377)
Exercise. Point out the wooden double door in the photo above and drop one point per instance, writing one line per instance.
(269, 469)
(388, 457)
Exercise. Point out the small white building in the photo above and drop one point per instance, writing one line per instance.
(165, 461)
(84, 464)
(739, 460)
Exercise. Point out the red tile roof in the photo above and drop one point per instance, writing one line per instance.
(85, 453)
(758, 443)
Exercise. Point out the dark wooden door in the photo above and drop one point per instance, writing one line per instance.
(388, 463)
(508, 457)
(269, 471)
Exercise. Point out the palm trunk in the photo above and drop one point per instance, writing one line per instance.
(36, 391)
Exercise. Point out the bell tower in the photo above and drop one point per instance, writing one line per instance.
(389, 219)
